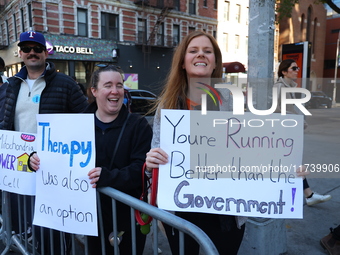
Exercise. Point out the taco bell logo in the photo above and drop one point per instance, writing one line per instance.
(238, 100)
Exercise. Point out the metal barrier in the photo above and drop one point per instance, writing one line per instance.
(28, 239)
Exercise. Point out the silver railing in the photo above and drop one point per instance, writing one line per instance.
(26, 238)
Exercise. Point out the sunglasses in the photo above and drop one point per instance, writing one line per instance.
(108, 65)
(295, 68)
(27, 49)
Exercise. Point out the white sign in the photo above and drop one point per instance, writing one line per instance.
(15, 176)
(236, 165)
(72, 50)
(65, 199)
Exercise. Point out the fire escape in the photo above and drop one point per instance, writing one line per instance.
(151, 6)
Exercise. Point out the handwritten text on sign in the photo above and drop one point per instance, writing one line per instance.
(15, 176)
(65, 199)
(243, 165)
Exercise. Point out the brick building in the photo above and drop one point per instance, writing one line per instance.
(308, 23)
(81, 34)
(332, 36)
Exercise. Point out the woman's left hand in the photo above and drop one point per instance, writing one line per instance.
(34, 162)
(302, 171)
(94, 175)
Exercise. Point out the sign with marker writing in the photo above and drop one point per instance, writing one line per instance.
(231, 164)
(15, 176)
(65, 199)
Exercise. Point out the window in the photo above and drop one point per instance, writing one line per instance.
(109, 26)
(15, 28)
(226, 10)
(160, 35)
(7, 31)
(215, 4)
(82, 22)
(141, 34)
(22, 20)
(205, 3)
(192, 6)
(30, 20)
(309, 22)
(175, 35)
(246, 44)
(238, 13)
(192, 29)
(176, 5)
(225, 41)
(247, 16)
(237, 42)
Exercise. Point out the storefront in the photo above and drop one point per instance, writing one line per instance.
(78, 56)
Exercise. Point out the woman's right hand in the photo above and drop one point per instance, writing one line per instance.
(154, 158)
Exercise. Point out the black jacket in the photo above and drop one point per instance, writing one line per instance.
(61, 95)
(125, 173)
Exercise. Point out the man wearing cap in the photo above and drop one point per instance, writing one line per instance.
(38, 88)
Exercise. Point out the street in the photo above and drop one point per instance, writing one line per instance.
(321, 146)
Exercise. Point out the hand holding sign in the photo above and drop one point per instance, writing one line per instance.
(237, 162)
(65, 157)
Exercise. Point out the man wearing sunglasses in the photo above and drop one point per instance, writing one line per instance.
(37, 88)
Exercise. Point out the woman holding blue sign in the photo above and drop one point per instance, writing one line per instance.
(122, 140)
(196, 57)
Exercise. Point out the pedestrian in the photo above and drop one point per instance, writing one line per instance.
(197, 56)
(3, 87)
(37, 89)
(287, 75)
(118, 166)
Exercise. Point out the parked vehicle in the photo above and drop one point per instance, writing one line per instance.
(142, 101)
(319, 98)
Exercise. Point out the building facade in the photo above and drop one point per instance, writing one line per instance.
(137, 35)
(232, 36)
(331, 54)
(307, 24)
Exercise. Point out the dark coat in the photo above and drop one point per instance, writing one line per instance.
(61, 95)
(124, 174)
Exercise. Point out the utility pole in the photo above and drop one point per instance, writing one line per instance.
(336, 69)
(260, 79)
(261, 50)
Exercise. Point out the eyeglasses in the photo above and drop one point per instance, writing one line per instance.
(27, 49)
(295, 68)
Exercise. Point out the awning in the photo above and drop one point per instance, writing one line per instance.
(234, 67)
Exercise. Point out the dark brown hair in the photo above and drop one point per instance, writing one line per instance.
(105, 68)
(284, 65)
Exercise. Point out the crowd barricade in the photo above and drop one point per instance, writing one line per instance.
(18, 235)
